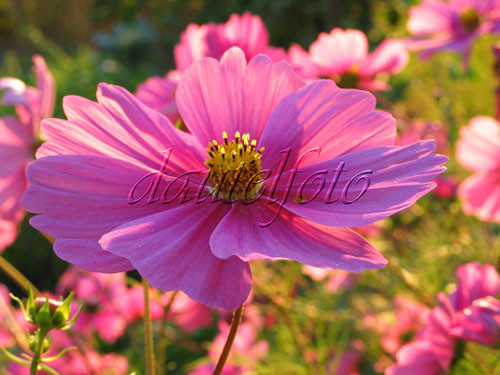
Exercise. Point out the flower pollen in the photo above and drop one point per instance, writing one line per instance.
(470, 20)
(234, 167)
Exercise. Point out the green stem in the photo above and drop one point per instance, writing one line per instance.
(162, 343)
(17, 276)
(235, 323)
(148, 332)
(38, 350)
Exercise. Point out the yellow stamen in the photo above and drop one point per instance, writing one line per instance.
(236, 176)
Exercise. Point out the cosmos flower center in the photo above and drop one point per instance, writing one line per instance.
(469, 18)
(347, 80)
(234, 167)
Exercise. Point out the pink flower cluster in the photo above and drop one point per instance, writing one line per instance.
(111, 305)
(340, 55)
(470, 313)
(246, 349)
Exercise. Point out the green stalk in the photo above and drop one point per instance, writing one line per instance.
(235, 323)
(17, 276)
(38, 350)
(148, 332)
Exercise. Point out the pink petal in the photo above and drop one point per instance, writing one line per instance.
(391, 57)
(158, 93)
(121, 127)
(394, 178)
(480, 196)
(338, 51)
(81, 198)
(301, 62)
(322, 115)
(290, 237)
(15, 92)
(109, 325)
(432, 16)
(8, 234)
(474, 282)
(416, 358)
(171, 250)
(192, 46)
(214, 97)
(15, 146)
(247, 32)
(479, 145)
(46, 85)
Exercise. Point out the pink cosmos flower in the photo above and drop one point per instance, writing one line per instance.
(440, 25)
(433, 351)
(18, 136)
(90, 182)
(246, 31)
(478, 149)
(342, 55)
(480, 322)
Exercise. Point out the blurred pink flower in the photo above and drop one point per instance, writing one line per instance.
(82, 361)
(453, 25)
(90, 162)
(103, 295)
(246, 31)
(480, 322)
(478, 149)
(131, 304)
(410, 318)
(342, 55)
(434, 348)
(6, 337)
(336, 279)
(158, 93)
(18, 136)
(418, 130)
(187, 313)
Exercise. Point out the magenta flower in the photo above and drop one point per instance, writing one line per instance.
(478, 149)
(18, 136)
(433, 351)
(90, 182)
(480, 322)
(451, 25)
(342, 55)
(246, 31)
